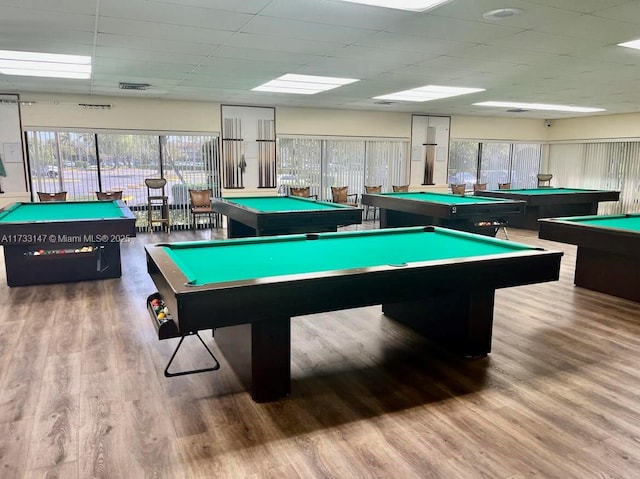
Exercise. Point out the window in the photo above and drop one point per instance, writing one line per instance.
(493, 163)
(323, 163)
(82, 163)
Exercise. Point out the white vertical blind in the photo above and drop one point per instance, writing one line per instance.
(606, 166)
(325, 162)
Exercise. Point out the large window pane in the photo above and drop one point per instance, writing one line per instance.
(463, 163)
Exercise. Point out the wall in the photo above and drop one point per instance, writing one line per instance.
(596, 127)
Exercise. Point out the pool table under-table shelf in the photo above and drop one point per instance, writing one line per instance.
(279, 215)
(552, 203)
(464, 213)
(608, 257)
(439, 282)
(56, 242)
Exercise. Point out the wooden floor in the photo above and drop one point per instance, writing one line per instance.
(82, 391)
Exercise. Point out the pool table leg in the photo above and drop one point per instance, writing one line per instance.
(260, 354)
(460, 321)
(235, 229)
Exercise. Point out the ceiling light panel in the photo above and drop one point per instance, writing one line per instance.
(303, 84)
(411, 5)
(632, 44)
(428, 93)
(45, 64)
(539, 106)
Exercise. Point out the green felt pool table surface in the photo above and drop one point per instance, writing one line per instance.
(273, 204)
(279, 215)
(548, 191)
(443, 198)
(210, 262)
(629, 222)
(61, 211)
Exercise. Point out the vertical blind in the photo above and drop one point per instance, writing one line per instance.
(82, 163)
(606, 166)
(321, 163)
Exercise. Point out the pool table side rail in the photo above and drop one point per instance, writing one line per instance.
(287, 221)
(241, 302)
(15, 233)
(445, 210)
(589, 236)
(587, 196)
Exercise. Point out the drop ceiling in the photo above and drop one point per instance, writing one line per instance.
(555, 51)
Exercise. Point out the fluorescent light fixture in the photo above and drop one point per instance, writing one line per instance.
(411, 5)
(428, 93)
(632, 44)
(45, 64)
(539, 106)
(303, 84)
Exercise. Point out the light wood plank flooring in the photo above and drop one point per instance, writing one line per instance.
(82, 391)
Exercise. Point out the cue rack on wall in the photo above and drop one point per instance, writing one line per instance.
(248, 147)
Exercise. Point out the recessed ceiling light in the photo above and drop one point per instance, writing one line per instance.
(45, 64)
(631, 44)
(539, 106)
(501, 13)
(428, 93)
(411, 5)
(303, 84)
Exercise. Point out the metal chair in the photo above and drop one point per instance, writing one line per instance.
(109, 195)
(479, 186)
(458, 189)
(201, 205)
(371, 190)
(340, 194)
(302, 192)
(157, 200)
(400, 188)
(544, 180)
(504, 186)
(59, 196)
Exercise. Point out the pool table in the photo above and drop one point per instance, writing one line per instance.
(552, 202)
(56, 242)
(608, 258)
(279, 215)
(465, 213)
(438, 281)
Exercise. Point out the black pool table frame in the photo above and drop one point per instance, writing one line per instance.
(245, 222)
(449, 302)
(607, 260)
(21, 239)
(399, 211)
(552, 205)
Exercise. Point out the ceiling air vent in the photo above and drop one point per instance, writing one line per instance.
(383, 102)
(516, 110)
(134, 86)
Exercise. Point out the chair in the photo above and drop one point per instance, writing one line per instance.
(157, 199)
(59, 196)
(201, 205)
(479, 186)
(504, 186)
(400, 188)
(109, 195)
(302, 192)
(458, 189)
(371, 190)
(340, 194)
(544, 180)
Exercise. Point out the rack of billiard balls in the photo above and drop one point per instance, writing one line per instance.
(51, 252)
